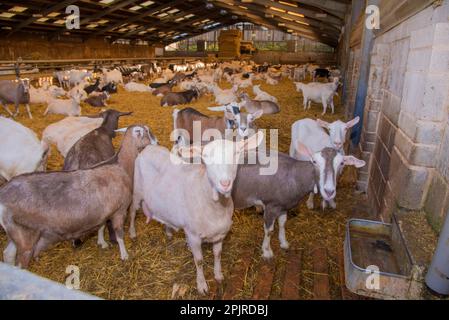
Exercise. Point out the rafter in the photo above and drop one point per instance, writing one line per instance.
(45, 12)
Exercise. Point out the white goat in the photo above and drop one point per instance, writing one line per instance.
(193, 197)
(78, 76)
(70, 107)
(319, 92)
(271, 81)
(137, 87)
(20, 150)
(223, 96)
(112, 76)
(262, 95)
(311, 134)
(66, 132)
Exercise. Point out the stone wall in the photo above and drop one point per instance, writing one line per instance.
(406, 122)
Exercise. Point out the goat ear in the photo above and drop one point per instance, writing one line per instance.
(353, 161)
(303, 150)
(257, 114)
(122, 130)
(251, 143)
(323, 123)
(353, 122)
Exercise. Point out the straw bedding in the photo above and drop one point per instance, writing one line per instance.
(157, 265)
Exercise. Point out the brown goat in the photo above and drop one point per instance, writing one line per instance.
(176, 98)
(41, 209)
(252, 106)
(164, 89)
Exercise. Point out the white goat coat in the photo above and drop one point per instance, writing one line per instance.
(65, 133)
(137, 87)
(310, 134)
(180, 196)
(20, 149)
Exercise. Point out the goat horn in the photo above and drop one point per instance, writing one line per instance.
(122, 130)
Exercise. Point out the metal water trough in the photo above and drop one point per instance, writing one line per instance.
(376, 253)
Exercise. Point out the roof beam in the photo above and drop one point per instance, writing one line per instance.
(138, 17)
(273, 23)
(312, 14)
(99, 15)
(45, 12)
(333, 7)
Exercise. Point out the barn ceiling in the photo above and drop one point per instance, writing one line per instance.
(165, 22)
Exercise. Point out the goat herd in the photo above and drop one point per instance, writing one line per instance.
(98, 186)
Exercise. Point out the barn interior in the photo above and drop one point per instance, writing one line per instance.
(393, 57)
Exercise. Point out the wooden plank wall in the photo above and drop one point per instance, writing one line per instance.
(34, 47)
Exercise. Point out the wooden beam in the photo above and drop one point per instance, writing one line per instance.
(312, 14)
(313, 25)
(99, 15)
(252, 18)
(138, 17)
(332, 7)
(45, 12)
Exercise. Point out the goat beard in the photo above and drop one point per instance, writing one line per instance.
(216, 195)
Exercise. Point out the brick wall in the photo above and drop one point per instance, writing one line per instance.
(405, 137)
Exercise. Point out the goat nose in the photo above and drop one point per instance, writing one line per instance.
(329, 193)
(225, 183)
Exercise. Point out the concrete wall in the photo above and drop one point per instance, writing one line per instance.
(35, 47)
(406, 127)
(276, 57)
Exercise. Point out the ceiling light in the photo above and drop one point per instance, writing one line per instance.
(288, 4)
(296, 14)
(42, 19)
(135, 8)
(189, 16)
(103, 21)
(18, 9)
(59, 21)
(147, 3)
(245, 8)
(277, 9)
(7, 15)
(92, 25)
(106, 1)
(173, 11)
(53, 14)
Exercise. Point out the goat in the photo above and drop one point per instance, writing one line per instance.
(311, 134)
(110, 87)
(69, 107)
(262, 95)
(93, 87)
(68, 205)
(76, 77)
(195, 198)
(112, 76)
(176, 98)
(223, 96)
(137, 87)
(98, 100)
(321, 73)
(63, 78)
(66, 132)
(17, 92)
(164, 89)
(319, 92)
(20, 150)
(291, 183)
(252, 106)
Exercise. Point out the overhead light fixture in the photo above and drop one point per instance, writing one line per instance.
(18, 9)
(59, 21)
(53, 14)
(103, 21)
(244, 8)
(106, 1)
(147, 3)
(135, 8)
(288, 4)
(304, 23)
(42, 19)
(92, 25)
(277, 9)
(281, 24)
(179, 19)
(7, 28)
(296, 14)
(7, 15)
(173, 11)
(189, 16)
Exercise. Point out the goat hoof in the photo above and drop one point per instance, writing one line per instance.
(285, 245)
(103, 245)
(202, 288)
(124, 256)
(132, 234)
(219, 278)
(268, 255)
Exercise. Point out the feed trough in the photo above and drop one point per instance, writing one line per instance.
(378, 263)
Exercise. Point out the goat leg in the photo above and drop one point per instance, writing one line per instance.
(112, 236)
(7, 109)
